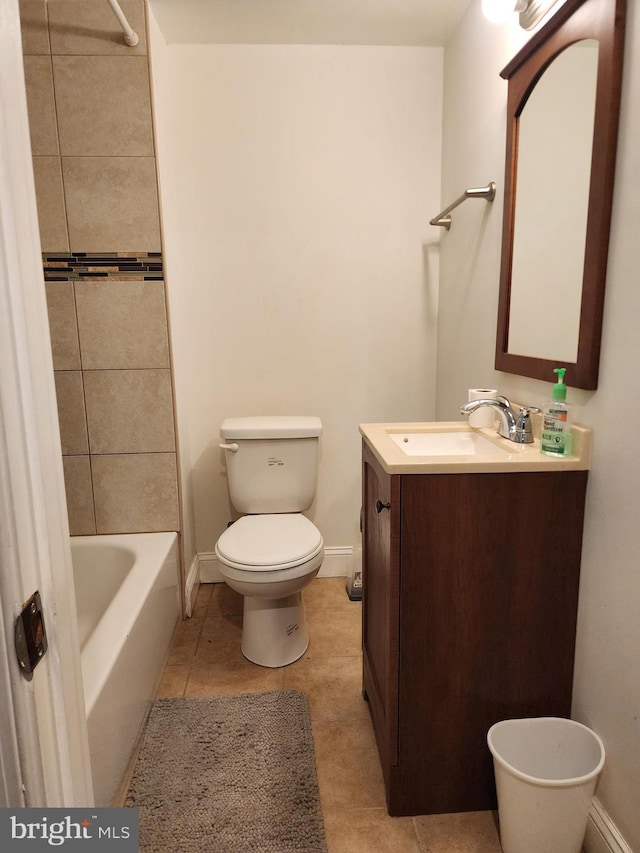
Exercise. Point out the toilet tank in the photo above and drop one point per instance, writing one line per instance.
(275, 465)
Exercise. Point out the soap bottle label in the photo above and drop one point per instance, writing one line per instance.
(556, 436)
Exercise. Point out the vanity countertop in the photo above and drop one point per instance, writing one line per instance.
(509, 457)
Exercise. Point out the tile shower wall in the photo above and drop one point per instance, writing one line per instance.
(95, 174)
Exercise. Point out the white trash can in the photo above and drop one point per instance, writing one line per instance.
(546, 771)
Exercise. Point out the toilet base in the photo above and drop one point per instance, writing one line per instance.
(274, 630)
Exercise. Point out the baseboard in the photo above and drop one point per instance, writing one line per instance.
(337, 563)
(192, 583)
(209, 571)
(602, 833)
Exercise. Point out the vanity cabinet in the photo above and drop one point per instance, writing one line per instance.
(470, 585)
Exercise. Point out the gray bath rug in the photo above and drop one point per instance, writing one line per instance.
(228, 774)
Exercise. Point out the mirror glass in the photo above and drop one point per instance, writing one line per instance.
(555, 136)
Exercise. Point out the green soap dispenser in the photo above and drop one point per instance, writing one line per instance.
(555, 437)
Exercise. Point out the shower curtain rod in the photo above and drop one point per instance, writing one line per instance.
(130, 37)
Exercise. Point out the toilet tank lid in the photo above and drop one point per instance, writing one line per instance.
(271, 426)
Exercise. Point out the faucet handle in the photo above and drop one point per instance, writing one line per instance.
(525, 411)
(524, 432)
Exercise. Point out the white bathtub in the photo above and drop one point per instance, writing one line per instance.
(127, 601)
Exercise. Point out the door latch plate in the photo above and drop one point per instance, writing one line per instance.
(30, 636)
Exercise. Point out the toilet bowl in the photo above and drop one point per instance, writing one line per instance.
(269, 559)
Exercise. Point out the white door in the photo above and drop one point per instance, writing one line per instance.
(10, 775)
(43, 737)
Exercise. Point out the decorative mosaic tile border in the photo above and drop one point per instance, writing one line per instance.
(84, 266)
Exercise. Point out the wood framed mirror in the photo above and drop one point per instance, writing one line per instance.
(562, 126)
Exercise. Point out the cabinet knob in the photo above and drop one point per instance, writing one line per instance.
(380, 506)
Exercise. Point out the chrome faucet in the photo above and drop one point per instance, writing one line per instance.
(516, 428)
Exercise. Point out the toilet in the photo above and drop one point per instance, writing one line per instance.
(271, 552)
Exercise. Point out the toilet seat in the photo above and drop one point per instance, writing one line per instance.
(269, 543)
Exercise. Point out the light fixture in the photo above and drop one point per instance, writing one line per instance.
(531, 11)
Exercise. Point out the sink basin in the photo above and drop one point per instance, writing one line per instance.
(446, 444)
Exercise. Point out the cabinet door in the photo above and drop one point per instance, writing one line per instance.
(490, 569)
(381, 527)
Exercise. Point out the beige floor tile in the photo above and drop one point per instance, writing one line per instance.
(203, 598)
(348, 766)
(369, 830)
(333, 686)
(185, 642)
(468, 832)
(173, 681)
(328, 594)
(224, 601)
(220, 639)
(334, 633)
(235, 675)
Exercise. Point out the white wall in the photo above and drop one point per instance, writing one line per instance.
(178, 298)
(304, 180)
(607, 675)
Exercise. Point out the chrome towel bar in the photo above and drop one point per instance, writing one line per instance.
(488, 193)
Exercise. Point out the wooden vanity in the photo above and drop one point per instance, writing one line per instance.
(470, 600)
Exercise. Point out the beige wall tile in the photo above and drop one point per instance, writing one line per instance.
(34, 26)
(122, 324)
(104, 106)
(112, 204)
(135, 492)
(129, 411)
(41, 103)
(77, 480)
(62, 325)
(90, 27)
(71, 414)
(51, 208)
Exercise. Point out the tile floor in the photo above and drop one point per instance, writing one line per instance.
(205, 660)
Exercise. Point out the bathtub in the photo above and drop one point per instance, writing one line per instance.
(128, 606)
